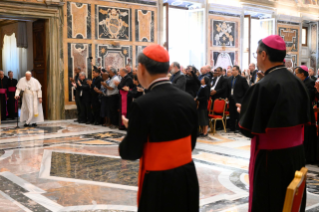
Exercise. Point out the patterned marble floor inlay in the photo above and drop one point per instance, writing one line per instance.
(66, 166)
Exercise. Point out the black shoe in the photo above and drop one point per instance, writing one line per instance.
(76, 120)
(200, 135)
(26, 125)
(236, 131)
(81, 122)
(34, 125)
(96, 123)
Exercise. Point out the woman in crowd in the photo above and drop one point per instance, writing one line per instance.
(202, 98)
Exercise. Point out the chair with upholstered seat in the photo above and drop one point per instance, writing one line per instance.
(217, 114)
(295, 191)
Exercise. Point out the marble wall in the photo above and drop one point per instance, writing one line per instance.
(112, 33)
(223, 39)
(290, 32)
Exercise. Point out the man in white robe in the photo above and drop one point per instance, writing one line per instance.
(31, 110)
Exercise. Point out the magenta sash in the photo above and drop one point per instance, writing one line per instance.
(273, 139)
(123, 103)
(4, 91)
(12, 89)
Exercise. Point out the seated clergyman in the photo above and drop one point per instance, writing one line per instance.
(31, 110)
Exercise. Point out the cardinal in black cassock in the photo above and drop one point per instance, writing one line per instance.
(124, 87)
(3, 95)
(310, 134)
(12, 103)
(162, 131)
(273, 113)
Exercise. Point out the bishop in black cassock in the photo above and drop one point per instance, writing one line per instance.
(3, 95)
(273, 113)
(12, 103)
(162, 131)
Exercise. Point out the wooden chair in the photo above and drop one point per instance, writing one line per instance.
(295, 191)
(218, 108)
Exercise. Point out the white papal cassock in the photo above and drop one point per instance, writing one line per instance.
(31, 110)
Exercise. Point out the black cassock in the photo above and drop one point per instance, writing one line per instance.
(311, 141)
(273, 114)
(11, 103)
(162, 131)
(96, 104)
(125, 100)
(3, 96)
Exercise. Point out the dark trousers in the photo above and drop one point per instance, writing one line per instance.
(86, 113)
(234, 115)
(11, 105)
(78, 104)
(96, 105)
(114, 109)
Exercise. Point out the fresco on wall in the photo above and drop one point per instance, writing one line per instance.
(113, 23)
(144, 22)
(79, 20)
(78, 57)
(117, 57)
(224, 33)
(290, 36)
(223, 59)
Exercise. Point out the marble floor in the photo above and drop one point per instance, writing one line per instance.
(65, 166)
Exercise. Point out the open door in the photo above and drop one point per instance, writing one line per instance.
(39, 60)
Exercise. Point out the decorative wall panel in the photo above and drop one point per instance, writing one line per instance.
(113, 23)
(291, 35)
(291, 61)
(78, 57)
(144, 22)
(117, 57)
(314, 35)
(223, 59)
(224, 33)
(79, 20)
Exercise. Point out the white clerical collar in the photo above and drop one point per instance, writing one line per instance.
(158, 80)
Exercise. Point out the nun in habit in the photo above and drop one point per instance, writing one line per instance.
(31, 110)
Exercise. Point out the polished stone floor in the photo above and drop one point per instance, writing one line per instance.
(65, 166)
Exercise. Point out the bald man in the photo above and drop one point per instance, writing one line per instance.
(31, 110)
(3, 95)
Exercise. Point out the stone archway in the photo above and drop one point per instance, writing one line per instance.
(52, 12)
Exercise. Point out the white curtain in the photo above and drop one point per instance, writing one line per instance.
(13, 59)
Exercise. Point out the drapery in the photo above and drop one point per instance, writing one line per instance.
(13, 59)
(20, 30)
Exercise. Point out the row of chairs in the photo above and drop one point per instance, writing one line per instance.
(217, 112)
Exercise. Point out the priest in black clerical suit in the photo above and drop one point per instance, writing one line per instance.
(237, 87)
(11, 103)
(310, 134)
(192, 81)
(177, 78)
(219, 85)
(162, 132)
(124, 87)
(3, 95)
(273, 113)
(95, 90)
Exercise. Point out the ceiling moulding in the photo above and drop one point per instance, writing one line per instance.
(289, 18)
(223, 9)
(37, 2)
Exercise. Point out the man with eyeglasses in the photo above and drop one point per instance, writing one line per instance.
(273, 113)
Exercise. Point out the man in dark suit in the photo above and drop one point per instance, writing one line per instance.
(312, 74)
(85, 98)
(177, 78)
(162, 132)
(76, 93)
(95, 85)
(218, 85)
(237, 87)
(3, 94)
(253, 73)
(12, 107)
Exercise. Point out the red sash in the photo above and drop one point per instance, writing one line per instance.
(273, 139)
(123, 104)
(4, 91)
(12, 89)
(161, 156)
